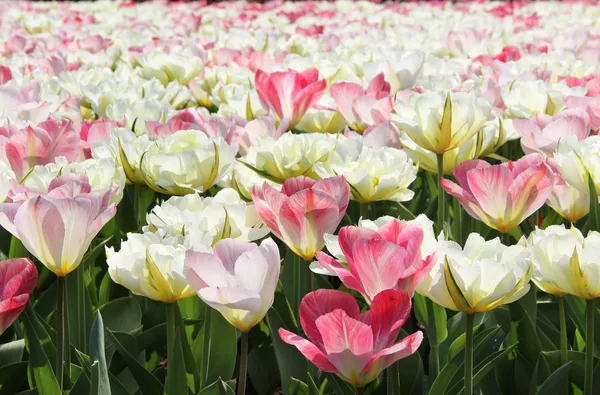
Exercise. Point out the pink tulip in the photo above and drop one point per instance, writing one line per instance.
(38, 145)
(357, 347)
(502, 195)
(542, 133)
(93, 132)
(58, 227)
(185, 120)
(590, 104)
(388, 258)
(5, 74)
(360, 107)
(18, 278)
(290, 93)
(303, 211)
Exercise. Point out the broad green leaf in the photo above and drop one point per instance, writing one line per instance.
(41, 371)
(12, 377)
(540, 374)
(11, 352)
(576, 367)
(339, 386)
(80, 309)
(556, 384)
(148, 384)
(411, 373)
(594, 215)
(294, 279)
(122, 315)
(97, 355)
(191, 366)
(176, 382)
(219, 387)
(298, 387)
(433, 317)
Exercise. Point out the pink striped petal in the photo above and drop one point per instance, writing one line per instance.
(344, 93)
(338, 189)
(306, 98)
(389, 311)
(464, 197)
(229, 250)
(296, 184)
(461, 170)
(489, 187)
(384, 358)
(348, 235)
(345, 275)
(309, 350)
(530, 190)
(321, 302)
(378, 84)
(268, 202)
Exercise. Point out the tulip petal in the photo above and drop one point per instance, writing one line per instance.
(489, 187)
(230, 250)
(309, 350)
(202, 270)
(407, 346)
(389, 311)
(342, 272)
(348, 235)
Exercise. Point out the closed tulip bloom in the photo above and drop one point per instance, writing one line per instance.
(502, 196)
(303, 211)
(238, 279)
(570, 202)
(438, 121)
(542, 133)
(289, 93)
(151, 265)
(357, 347)
(552, 250)
(478, 278)
(58, 227)
(373, 174)
(18, 278)
(185, 162)
(291, 155)
(386, 258)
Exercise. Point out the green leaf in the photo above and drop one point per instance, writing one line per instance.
(294, 279)
(191, 366)
(41, 371)
(594, 215)
(97, 355)
(540, 374)
(104, 291)
(95, 387)
(12, 377)
(215, 349)
(433, 317)
(576, 310)
(556, 383)
(148, 384)
(576, 366)
(219, 387)
(411, 373)
(79, 304)
(298, 387)
(340, 387)
(290, 361)
(11, 352)
(17, 249)
(122, 315)
(176, 383)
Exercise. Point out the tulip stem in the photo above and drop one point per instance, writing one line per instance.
(469, 354)
(62, 330)
(434, 361)
(589, 347)
(393, 379)
(170, 313)
(81, 319)
(441, 197)
(564, 356)
(364, 210)
(243, 365)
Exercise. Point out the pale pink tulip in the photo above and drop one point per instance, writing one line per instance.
(360, 107)
(591, 106)
(38, 145)
(238, 279)
(289, 93)
(303, 211)
(25, 103)
(18, 278)
(502, 195)
(93, 132)
(186, 120)
(543, 133)
(387, 258)
(58, 227)
(5, 74)
(357, 347)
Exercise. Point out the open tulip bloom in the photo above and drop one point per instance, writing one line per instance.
(357, 347)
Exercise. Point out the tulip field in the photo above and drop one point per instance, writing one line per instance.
(299, 198)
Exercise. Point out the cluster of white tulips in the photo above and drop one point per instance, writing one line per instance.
(405, 195)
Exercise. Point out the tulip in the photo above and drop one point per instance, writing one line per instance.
(58, 227)
(18, 278)
(567, 200)
(185, 162)
(439, 121)
(37, 145)
(360, 107)
(502, 196)
(211, 218)
(401, 73)
(543, 133)
(238, 279)
(171, 66)
(243, 179)
(289, 93)
(151, 265)
(386, 258)
(291, 155)
(303, 211)
(373, 174)
(357, 347)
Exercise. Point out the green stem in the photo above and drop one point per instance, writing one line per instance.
(18, 329)
(564, 356)
(62, 330)
(140, 204)
(589, 348)
(243, 365)
(458, 213)
(81, 316)
(393, 379)
(441, 197)
(434, 361)
(360, 391)
(364, 210)
(170, 313)
(469, 354)
(206, 344)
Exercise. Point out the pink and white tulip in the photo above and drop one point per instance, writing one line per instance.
(238, 279)
(303, 211)
(58, 227)
(362, 108)
(289, 93)
(502, 196)
(543, 133)
(18, 278)
(386, 258)
(357, 347)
